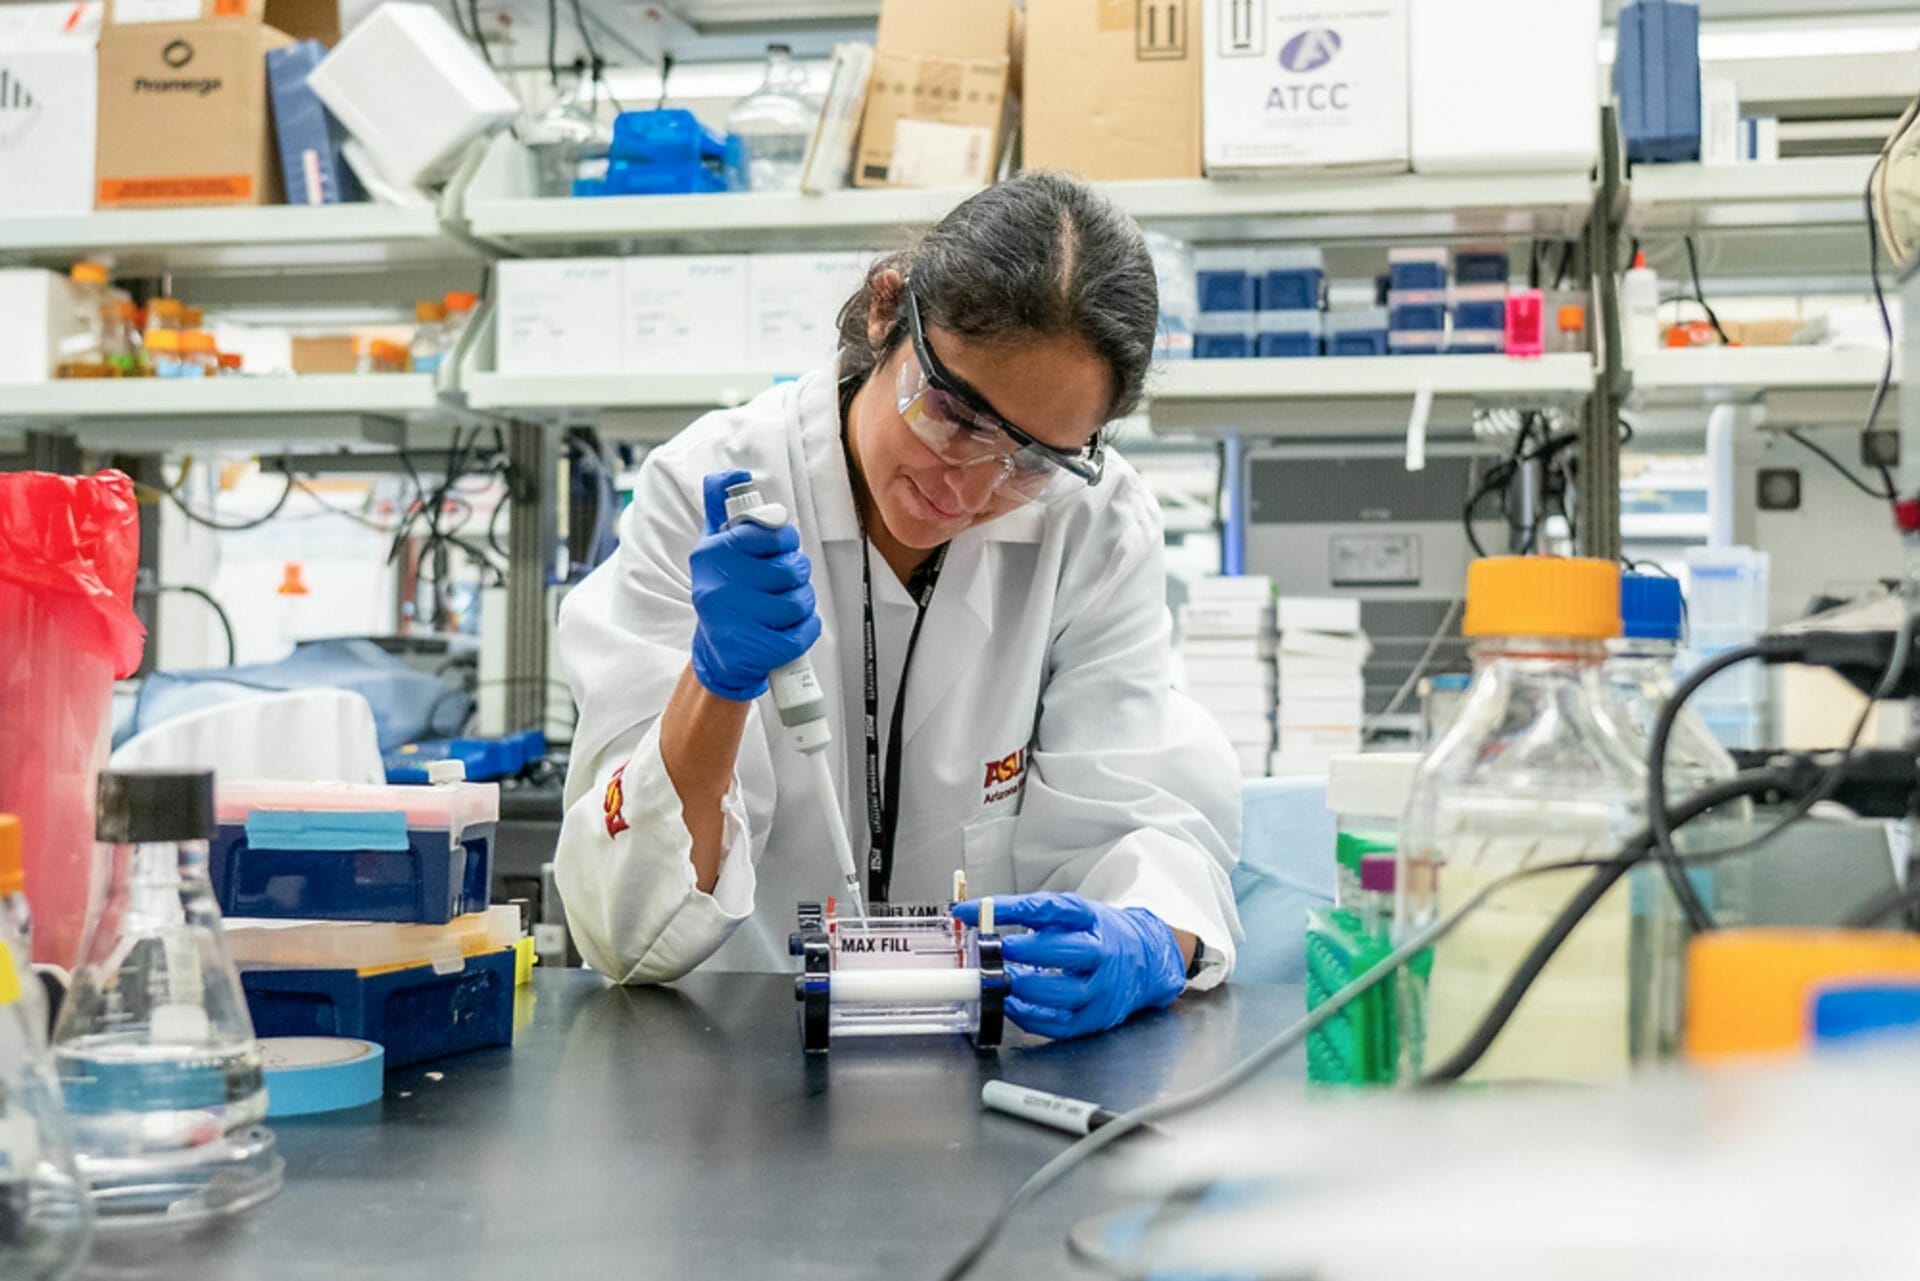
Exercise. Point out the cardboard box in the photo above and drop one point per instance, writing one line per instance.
(326, 354)
(183, 99)
(41, 315)
(48, 105)
(1116, 89)
(947, 28)
(684, 313)
(1305, 84)
(560, 317)
(412, 91)
(932, 122)
(793, 302)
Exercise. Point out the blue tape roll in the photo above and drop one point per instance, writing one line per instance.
(307, 1074)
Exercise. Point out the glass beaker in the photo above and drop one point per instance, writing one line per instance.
(155, 1050)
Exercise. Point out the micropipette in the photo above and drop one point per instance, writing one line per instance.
(803, 704)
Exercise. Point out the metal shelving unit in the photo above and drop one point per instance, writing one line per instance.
(1797, 385)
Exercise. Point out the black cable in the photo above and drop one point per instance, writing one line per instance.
(553, 44)
(1794, 434)
(1700, 295)
(479, 37)
(1475, 1047)
(238, 527)
(226, 623)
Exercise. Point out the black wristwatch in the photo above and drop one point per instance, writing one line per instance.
(1200, 959)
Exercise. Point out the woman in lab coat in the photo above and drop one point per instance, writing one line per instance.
(978, 584)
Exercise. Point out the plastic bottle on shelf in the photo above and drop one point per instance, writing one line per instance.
(230, 364)
(124, 351)
(1533, 771)
(16, 929)
(199, 356)
(154, 1047)
(770, 128)
(164, 355)
(294, 602)
(430, 339)
(192, 318)
(83, 352)
(1639, 308)
(459, 304)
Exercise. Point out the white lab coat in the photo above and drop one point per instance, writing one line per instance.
(1044, 748)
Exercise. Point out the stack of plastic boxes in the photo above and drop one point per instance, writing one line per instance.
(1322, 687)
(1259, 302)
(1727, 608)
(1478, 301)
(361, 910)
(1226, 653)
(1417, 282)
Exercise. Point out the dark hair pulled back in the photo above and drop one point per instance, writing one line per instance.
(1039, 255)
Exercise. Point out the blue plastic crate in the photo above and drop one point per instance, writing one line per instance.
(485, 759)
(1656, 76)
(1358, 332)
(1480, 315)
(422, 877)
(1288, 334)
(1227, 279)
(1481, 267)
(1419, 318)
(414, 1013)
(1416, 269)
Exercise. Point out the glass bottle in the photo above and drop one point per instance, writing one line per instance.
(154, 1047)
(83, 353)
(568, 140)
(430, 339)
(16, 928)
(46, 1217)
(1532, 771)
(199, 356)
(771, 127)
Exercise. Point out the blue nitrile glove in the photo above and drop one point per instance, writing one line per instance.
(1086, 966)
(750, 591)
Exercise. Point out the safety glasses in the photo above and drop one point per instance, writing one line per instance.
(958, 425)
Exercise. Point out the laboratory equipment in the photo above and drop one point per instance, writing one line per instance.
(46, 1218)
(1223, 335)
(1532, 772)
(770, 128)
(1656, 77)
(156, 1055)
(1442, 697)
(355, 851)
(429, 338)
(907, 970)
(1227, 279)
(483, 759)
(1478, 306)
(662, 152)
(16, 931)
(1752, 993)
(1639, 307)
(1288, 333)
(567, 140)
(1043, 1107)
(69, 546)
(803, 704)
(1356, 331)
(1361, 1044)
(308, 1074)
(1292, 279)
(1417, 268)
(1727, 594)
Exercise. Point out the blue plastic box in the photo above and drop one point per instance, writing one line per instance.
(1406, 317)
(1481, 267)
(309, 137)
(1289, 334)
(1416, 342)
(1471, 315)
(1409, 269)
(414, 1013)
(484, 759)
(1223, 335)
(1292, 280)
(1227, 279)
(1656, 76)
(1359, 331)
(354, 851)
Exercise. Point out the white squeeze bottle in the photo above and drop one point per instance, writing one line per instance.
(802, 703)
(1639, 309)
(1534, 770)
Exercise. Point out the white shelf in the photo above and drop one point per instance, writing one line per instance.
(1782, 193)
(1346, 209)
(1342, 395)
(1797, 385)
(357, 237)
(93, 400)
(697, 392)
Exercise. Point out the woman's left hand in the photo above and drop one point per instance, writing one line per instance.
(1086, 966)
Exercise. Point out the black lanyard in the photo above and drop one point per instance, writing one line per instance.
(883, 799)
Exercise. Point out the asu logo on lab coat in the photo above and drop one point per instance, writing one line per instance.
(1005, 774)
(615, 803)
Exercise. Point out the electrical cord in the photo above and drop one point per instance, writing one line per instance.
(1434, 642)
(1700, 295)
(237, 527)
(1752, 783)
(226, 623)
(479, 37)
(1794, 434)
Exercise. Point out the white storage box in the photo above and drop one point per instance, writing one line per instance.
(1204, 647)
(1352, 688)
(1242, 728)
(412, 92)
(1305, 669)
(562, 316)
(1323, 742)
(1244, 673)
(49, 104)
(39, 307)
(1319, 614)
(1254, 587)
(1225, 619)
(1306, 84)
(1320, 713)
(685, 314)
(1351, 650)
(1504, 85)
(1253, 759)
(793, 303)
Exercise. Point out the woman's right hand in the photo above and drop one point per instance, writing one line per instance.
(752, 598)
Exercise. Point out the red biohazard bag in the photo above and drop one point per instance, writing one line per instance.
(69, 549)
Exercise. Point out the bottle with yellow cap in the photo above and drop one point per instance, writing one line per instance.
(46, 1217)
(16, 928)
(1534, 770)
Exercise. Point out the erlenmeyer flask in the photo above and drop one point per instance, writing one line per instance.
(155, 1051)
(46, 1219)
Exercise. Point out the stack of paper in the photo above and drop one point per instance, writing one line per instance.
(1322, 692)
(1226, 652)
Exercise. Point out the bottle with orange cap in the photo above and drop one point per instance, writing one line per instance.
(1534, 770)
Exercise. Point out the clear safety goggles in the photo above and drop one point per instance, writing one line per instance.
(956, 423)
